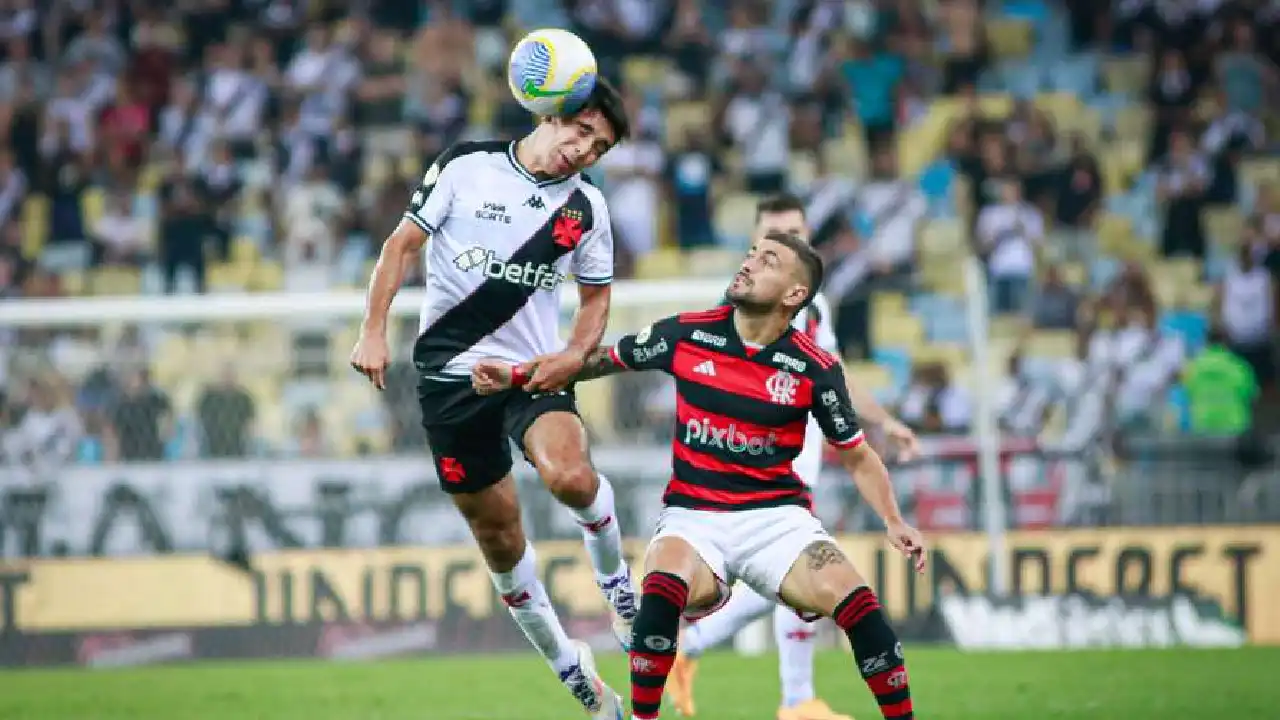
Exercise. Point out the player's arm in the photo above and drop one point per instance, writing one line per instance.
(427, 209)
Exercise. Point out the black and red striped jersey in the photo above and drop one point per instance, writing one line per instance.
(741, 413)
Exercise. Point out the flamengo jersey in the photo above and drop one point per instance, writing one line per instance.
(502, 242)
(741, 415)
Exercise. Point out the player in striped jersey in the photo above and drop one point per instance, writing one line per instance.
(747, 382)
(792, 633)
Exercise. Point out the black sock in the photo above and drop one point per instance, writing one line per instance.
(653, 640)
(877, 651)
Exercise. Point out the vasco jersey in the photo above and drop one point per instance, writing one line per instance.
(741, 414)
(815, 321)
(502, 243)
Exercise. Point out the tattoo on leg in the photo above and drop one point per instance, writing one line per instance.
(822, 554)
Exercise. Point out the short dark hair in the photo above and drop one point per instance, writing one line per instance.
(810, 261)
(780, 203)
(606, 98)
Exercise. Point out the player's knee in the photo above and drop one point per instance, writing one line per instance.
(573, 484)
(503, 544)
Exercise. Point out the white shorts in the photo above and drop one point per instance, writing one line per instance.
(757, 547)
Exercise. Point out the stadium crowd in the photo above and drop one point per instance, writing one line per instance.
(1113, 164)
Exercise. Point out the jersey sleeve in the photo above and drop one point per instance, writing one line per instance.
(433, 197)
(593, 258)
(834, 410)
(650, 349)
(826, 335)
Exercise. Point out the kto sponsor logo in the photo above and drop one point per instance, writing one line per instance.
(704, 432)
(649, 352)
(789, 362)
(538, 277)
(706, 337)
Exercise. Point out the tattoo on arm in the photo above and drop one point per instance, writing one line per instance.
(599, 364)
(822, 554)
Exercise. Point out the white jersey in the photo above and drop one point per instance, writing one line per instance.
(815, 322)
(502, 242)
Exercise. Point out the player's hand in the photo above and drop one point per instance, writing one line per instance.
(371, 358)
(553, 372)
(903, 438)
(490, 376)
(909, 542)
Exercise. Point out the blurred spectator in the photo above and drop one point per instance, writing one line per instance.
(1008, 235)
(97, 48)
(380, 93)
(185, 225)
(873, 76)
(185, 131)
(1056, 305)
(890, 210)
(756, 122)
(20, 69)
(226, 413)
(1221, 388)
(48, 431)
(65, 180)
(1182, 180)
(1245, 310)
(965, 45)
(1079, 189)
(13, 188)
(234, 100)
(691, 46)
(141, 421)
(932, 403)
(309, 439)
(123, 128)
(1173, 89)
(633, 175)
(1245, 80)
(120, 237)
(1024, 403)
(691, 170)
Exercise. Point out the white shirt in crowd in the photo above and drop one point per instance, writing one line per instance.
(235, 101)
(1010, 232)
(124, 233)
(633, 169)
(894, 208)
(953, 406)
(760, 128)
(1143, 361)
(1247, 305)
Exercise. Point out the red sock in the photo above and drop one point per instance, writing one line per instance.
(877, 651)
(653, 642)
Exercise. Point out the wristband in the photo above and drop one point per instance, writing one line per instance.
(518, 378)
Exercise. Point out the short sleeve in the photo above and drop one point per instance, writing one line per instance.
(593, 258)
(433, 197)
(834, 410)
(825, 334)
(650, 349)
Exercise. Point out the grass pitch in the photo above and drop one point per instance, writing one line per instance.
(948, 685)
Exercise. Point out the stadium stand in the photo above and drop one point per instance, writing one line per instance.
(1115, 166)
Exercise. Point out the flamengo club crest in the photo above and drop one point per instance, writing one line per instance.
(782, 387)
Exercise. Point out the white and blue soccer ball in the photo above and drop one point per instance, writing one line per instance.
(551, 72)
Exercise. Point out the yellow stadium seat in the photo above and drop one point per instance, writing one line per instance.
(735, 215)
(1126, 75)
(947, 354)
(93, 203)
(411, 165)
(115, 281)
(898, 331)
(244, 251)
(685, 116)
(869, 376)
(803, 169)
(228, 277)
(1074, 273)
(271, 421)
(712, 262)
(74, 283)
(1260, 172)
(1051, 344)
(848, 153)
(266, 277)
(1114, 232)
(943, 238)
(1008, 327)
(1009, 38)
(1224, 226)
(889, 303)
(643, 71)
(1133, 122)
(660, 264)
(35, 224)
(595, 403)
(169, 361)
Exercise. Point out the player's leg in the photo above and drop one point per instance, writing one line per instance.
(682, 577)
(474, 466)
(822, 580)
(547, 428)
(745, 606)
(795, 638)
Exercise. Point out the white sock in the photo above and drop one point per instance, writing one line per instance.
(745, 606)
(526, 598)
(601, 534)
(795, 655)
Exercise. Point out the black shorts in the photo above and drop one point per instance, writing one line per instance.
(468, 433)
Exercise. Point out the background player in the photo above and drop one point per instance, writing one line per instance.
(507, 223)
(746, 383)
(792, 633)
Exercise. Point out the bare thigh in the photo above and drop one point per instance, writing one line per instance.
(820, 579)
(675, 556)
(494, 516)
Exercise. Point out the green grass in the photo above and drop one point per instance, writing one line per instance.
(1128, 685)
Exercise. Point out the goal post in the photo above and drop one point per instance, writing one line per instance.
(288, 351)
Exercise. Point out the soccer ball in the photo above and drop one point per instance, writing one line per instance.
(551, 72)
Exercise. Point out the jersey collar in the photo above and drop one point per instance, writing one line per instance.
(524, 172)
